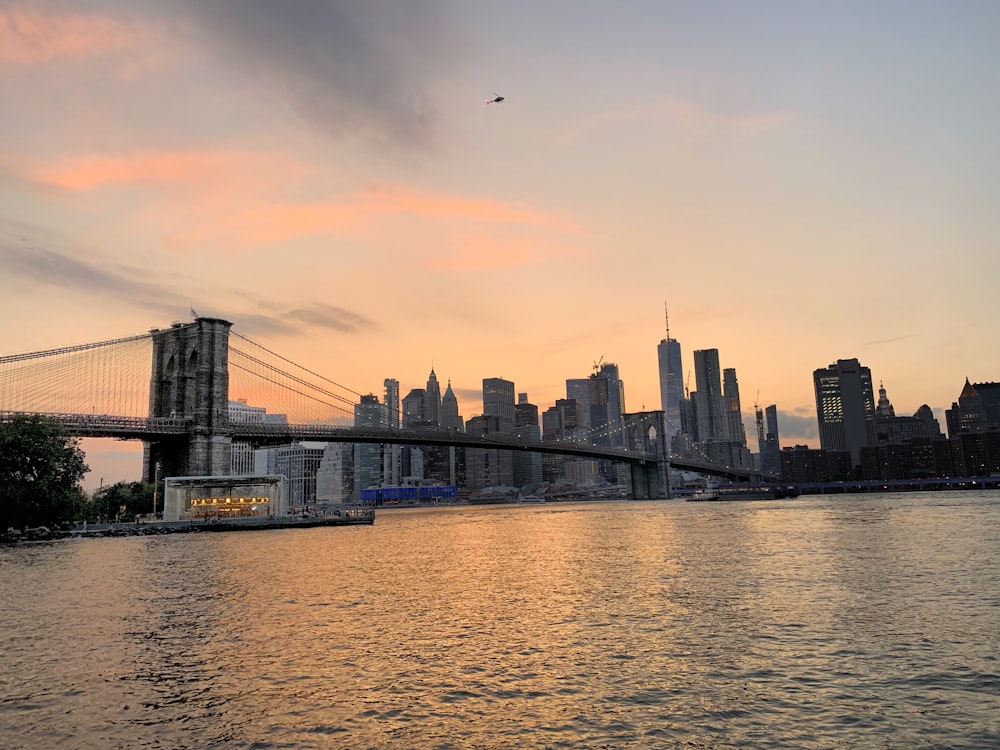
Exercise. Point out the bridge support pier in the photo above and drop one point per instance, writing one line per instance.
(190, 381)
(648, 481)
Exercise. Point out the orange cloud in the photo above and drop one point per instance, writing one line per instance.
(259, 224)
(32, 38)
(93, 172)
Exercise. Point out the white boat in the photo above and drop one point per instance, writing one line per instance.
(702, 495)
(531, 499)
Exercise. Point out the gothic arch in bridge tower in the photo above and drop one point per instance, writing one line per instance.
(190, 381)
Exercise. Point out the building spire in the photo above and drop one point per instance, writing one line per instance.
(666, 316)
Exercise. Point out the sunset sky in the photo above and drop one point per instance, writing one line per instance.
(798, 181)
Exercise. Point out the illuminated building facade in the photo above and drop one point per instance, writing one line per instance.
(207, 498)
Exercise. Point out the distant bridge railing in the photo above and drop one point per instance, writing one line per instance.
(107, 425)
(139, 428)
(275, 433)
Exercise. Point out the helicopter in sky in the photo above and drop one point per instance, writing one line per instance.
(496, 99)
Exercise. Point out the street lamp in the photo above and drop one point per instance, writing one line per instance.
(156, 485)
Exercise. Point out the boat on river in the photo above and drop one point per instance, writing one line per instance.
(703, 494)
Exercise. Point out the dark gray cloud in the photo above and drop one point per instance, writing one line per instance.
(346, 67)
(798, 426)
(329, 316)
(108, 281)
(60, 270)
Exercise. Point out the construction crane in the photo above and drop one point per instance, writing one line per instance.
(687, 386)
(597, 363)
(759, 414)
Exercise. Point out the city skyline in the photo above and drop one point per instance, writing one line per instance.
(800, 184)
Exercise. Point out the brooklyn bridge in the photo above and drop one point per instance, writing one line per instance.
(171, 389)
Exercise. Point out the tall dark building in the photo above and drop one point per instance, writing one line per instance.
(845, 407)
(734, 431)
(432, 404)
(498, 401)
(527, 464)
(414, 406)
(977, 409)
(450, 418)
(606, 394)
(770, 451)
(708, 401)
(668, 354)
(525, 413)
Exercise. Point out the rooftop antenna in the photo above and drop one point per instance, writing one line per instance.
(666, 316)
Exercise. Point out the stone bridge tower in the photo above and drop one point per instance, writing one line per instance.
(646, 432)
(190, 382)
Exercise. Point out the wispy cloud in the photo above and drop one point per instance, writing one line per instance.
(105, 278)
(60, 270)
(894, 339)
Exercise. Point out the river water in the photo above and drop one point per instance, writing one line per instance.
(821, 622)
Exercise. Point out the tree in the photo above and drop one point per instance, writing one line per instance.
(41, 467)
(123, 501)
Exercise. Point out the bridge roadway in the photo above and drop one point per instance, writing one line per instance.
(161, 428)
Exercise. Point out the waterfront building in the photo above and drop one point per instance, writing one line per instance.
(893, 429)
(770, 451)
(368, 457)
(845, 407)
(487, 467)
(392, 455)
(299, 463)
(335, 475)
(802, 464)
(243, 461)
(207, 498)
(498, 402)
(977, 409)
(527, 464)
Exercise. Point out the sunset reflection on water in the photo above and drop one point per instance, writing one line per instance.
(805, 623)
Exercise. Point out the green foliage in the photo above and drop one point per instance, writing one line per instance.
(122, 501)
(41, 467)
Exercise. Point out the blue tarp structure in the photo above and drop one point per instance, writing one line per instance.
(412, 493)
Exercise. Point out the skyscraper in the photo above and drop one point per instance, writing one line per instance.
(527, 464)
(668, 354)
(734, 412)
(391, 386)
(432, 408)
(368, 457)
(578, 389)
(708, 396)
(450, 418)
(845, 407)
(606, 394)
(770, 451)
(391, 454)
(498, 401)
